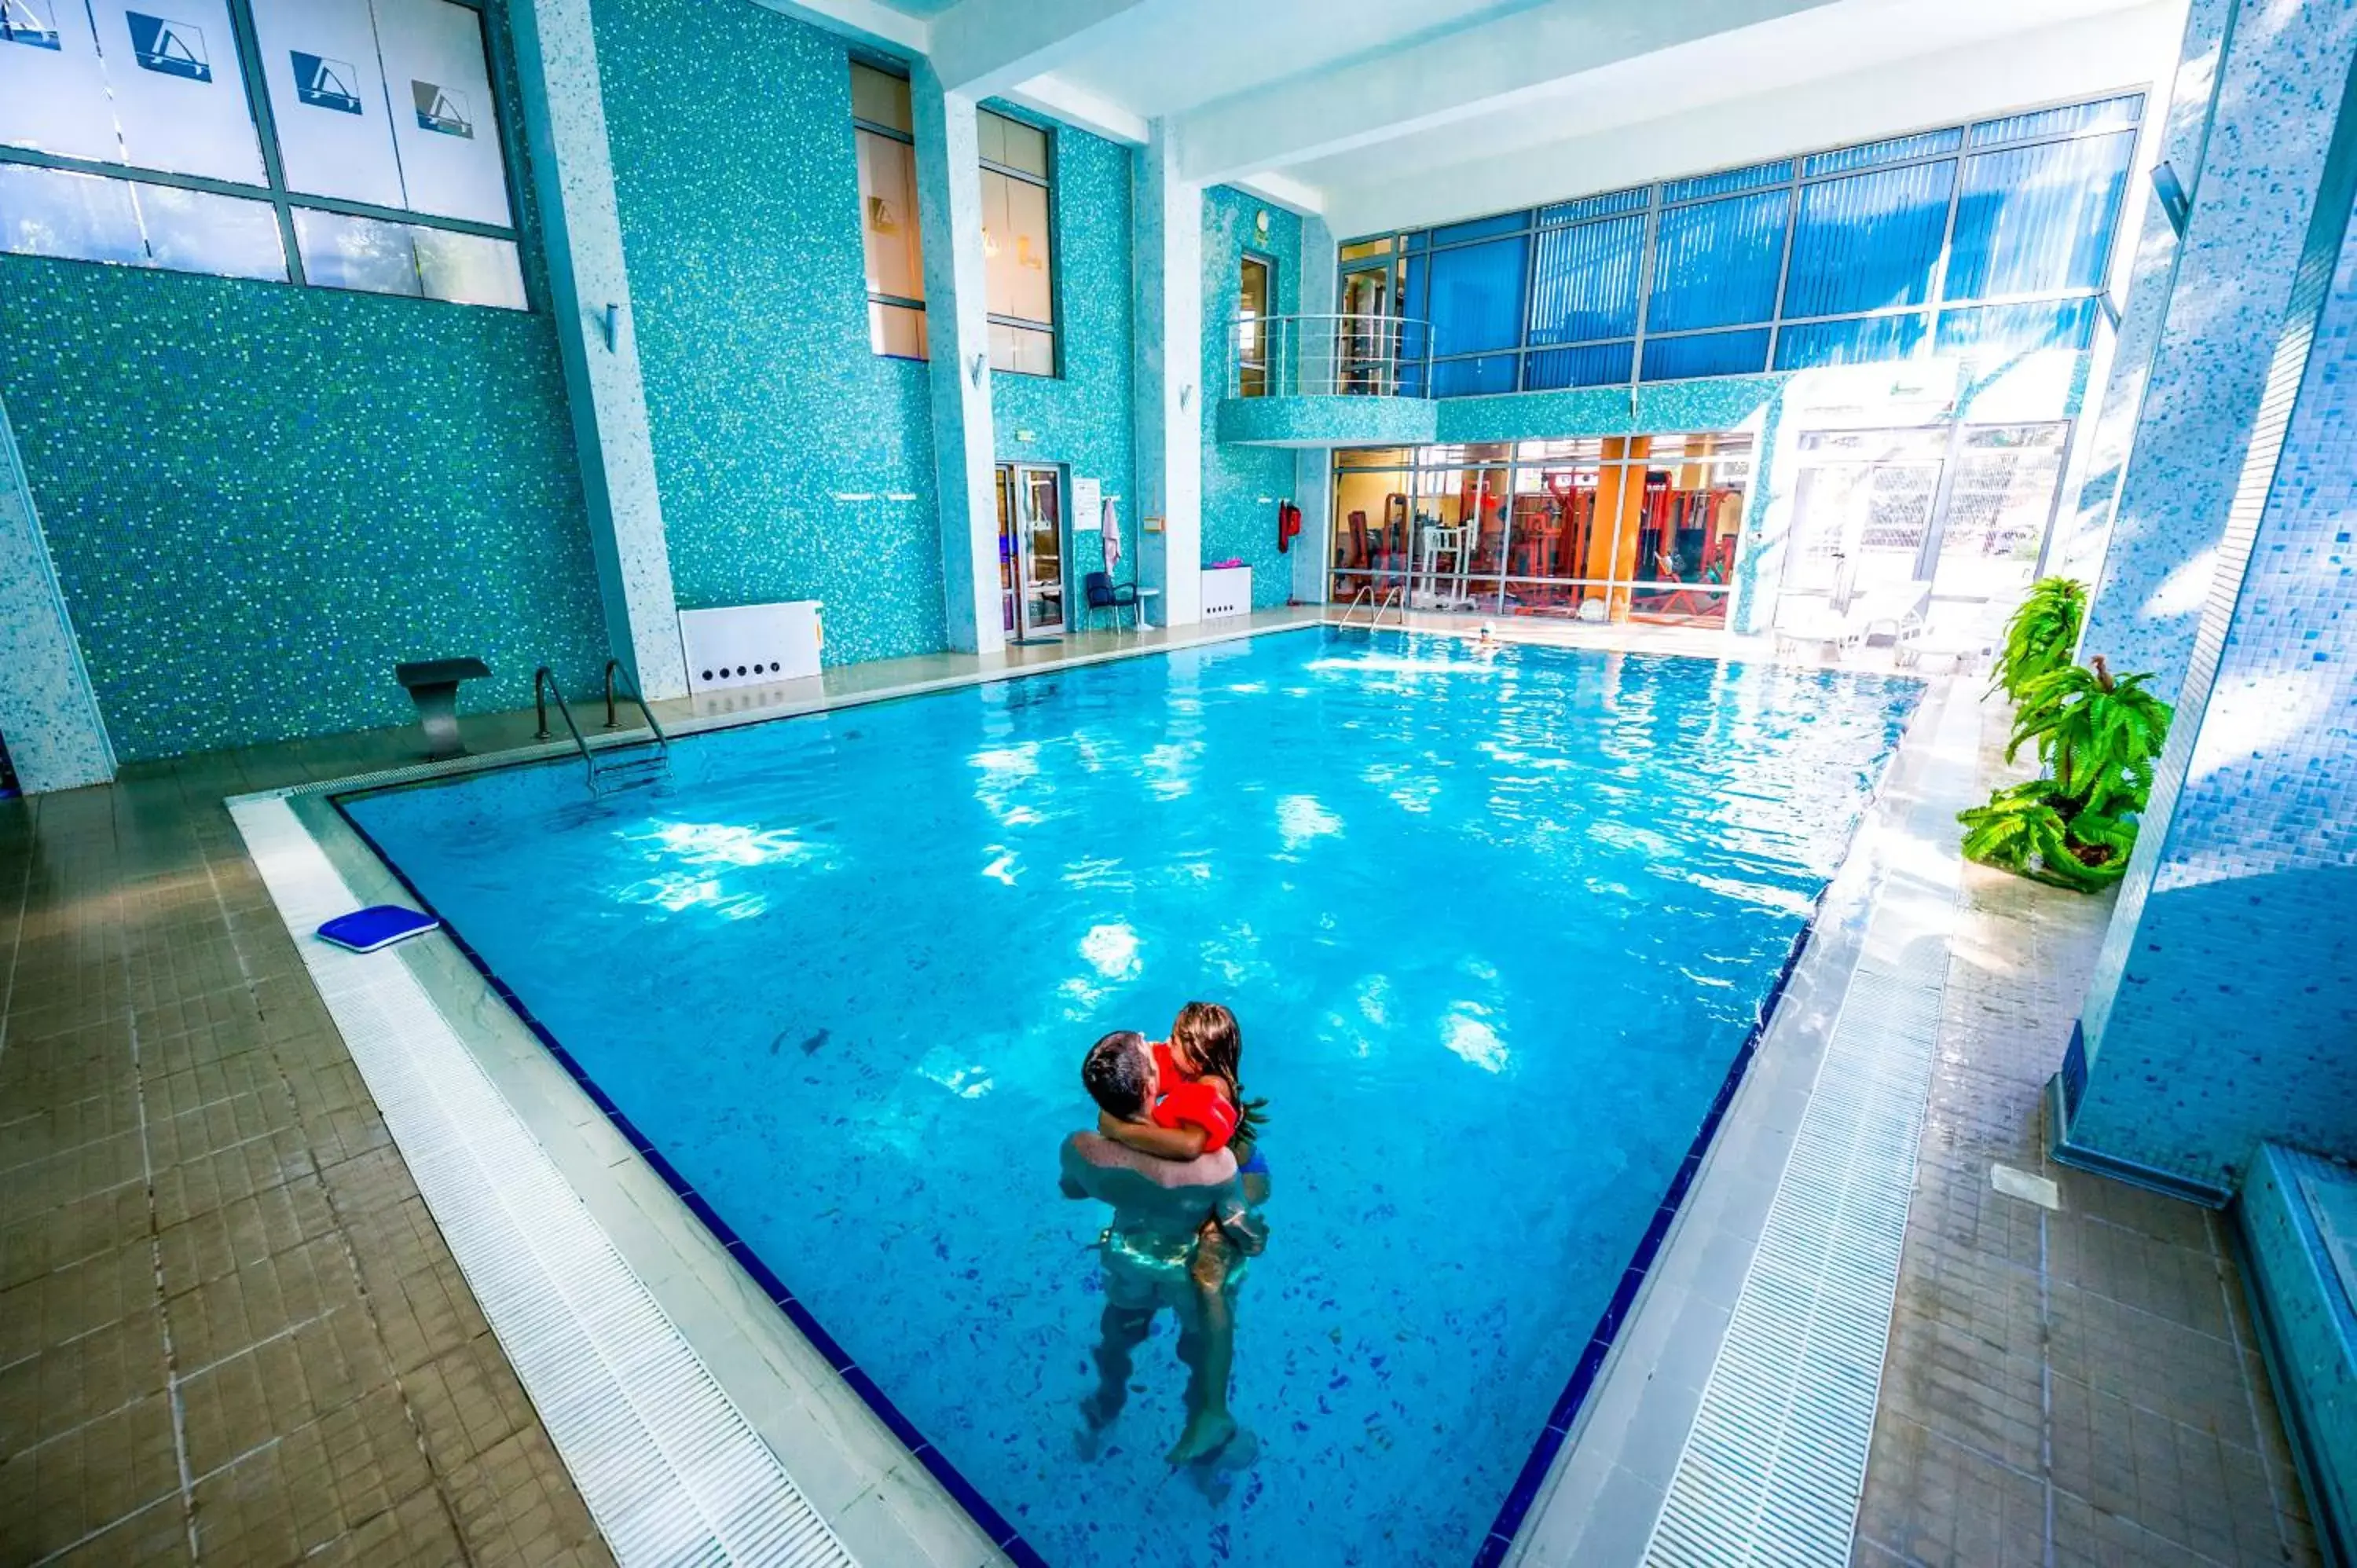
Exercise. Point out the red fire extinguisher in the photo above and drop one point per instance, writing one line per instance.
(1289, 524)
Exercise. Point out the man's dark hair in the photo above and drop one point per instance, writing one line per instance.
(1114, 1072)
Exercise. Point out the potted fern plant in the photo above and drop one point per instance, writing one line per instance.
(2042, 635)
(2098, 737)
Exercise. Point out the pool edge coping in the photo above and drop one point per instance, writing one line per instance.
(318, 804)
(1689, 1288)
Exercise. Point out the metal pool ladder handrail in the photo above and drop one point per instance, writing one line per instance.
(1391, 600)
(621, 771)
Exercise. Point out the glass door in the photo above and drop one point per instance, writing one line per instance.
(2000, 503)
(1030, 552)
(1258, 286)
(1365, 350)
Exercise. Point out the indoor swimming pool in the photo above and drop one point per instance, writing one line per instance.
(1496, 925)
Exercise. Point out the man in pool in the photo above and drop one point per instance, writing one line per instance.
(1159, 1205)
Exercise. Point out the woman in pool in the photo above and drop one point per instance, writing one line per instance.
(1201, 1110)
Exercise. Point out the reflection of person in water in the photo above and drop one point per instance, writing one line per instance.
(1157, 1206)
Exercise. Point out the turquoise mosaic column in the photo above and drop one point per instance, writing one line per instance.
(49, 715)
(957, 337)
(2085, 524)
(573, 172)
(1169, 350)
(1313, 466)
(2285, 65)
(2225, 1002)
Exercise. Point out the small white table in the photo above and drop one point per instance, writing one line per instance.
(1145, 606)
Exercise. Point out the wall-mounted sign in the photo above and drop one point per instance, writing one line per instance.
(325, 83)
(174, 49)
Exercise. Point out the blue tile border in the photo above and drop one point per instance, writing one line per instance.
(1568, 1404)
(1584, 1373)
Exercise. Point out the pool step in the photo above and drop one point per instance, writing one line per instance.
(633, 769)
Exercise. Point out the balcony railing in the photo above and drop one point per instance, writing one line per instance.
(1330, 355)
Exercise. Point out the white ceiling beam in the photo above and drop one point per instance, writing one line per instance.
(983, 47)
(869, 21)
(1428, 82)
(1074, 105)
(1283, 190)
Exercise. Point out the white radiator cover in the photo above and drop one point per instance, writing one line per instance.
(750, 645)
(1227, 591)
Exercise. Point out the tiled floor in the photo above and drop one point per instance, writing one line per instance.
(2078, 1385)
(229, 1330)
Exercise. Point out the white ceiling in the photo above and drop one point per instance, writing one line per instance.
(1380, 112)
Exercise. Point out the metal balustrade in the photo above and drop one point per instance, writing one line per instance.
(1328, 356)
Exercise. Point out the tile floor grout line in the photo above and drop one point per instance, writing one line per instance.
(2250, 1393)
(2046, 1388)
(70, 1547)
(176, 1401)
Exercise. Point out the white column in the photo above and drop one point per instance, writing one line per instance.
(49, 715)
(573, 176)
(1171, 404)
(957, 338)
(1313, 469)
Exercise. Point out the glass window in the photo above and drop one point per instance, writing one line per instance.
(378, 104)
(1477, 297)
(328, 99)
(1716, 264)
(1805, 346)
(178, 90)
(364, 253)
(2038, 219)
(1018, 264)
(467, 269)
(1596, 365)
(890, 244)
(197, 232)
(1707, 354)
(49, 212)
(1869, 241)
(2015, 218)
(895, 330)
(881, 99)
(1585, 282)
(52, 86)
(1012, 144)
(445, 120)
(1015, 248)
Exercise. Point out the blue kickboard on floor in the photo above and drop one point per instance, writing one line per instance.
(365, 930)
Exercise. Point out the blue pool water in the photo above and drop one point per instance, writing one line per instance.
(1495, 928)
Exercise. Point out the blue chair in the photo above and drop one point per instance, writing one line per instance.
(1104, 593)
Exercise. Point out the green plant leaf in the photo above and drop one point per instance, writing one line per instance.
(2042, 636)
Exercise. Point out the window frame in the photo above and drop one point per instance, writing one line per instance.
(1048, 183)
(284, 201)
(907, 139)
(1964, 141)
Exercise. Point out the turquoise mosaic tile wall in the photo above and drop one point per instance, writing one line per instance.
(1081, 418)
(1237, 521)
(739, 199)
(258, 498)
(2225, 1002)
